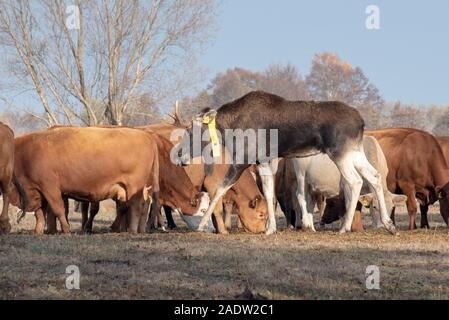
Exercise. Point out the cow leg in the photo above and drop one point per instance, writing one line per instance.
(84, 214)
(40, 222)
(227, 217)
(94, 208)
(424, 219)
(231, 177)
(115, 227)
(321, 204)
(66, 207)
(56, 204)
(367, 171)
(218, 215)
(266, 175)
(144, 211)
(5, 226)
(409, 190)
(151, 223)
(51, 221)
(239, 223)
(168, 215)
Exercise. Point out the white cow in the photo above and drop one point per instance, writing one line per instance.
(318, 175)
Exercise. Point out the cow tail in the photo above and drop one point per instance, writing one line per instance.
(22, 197)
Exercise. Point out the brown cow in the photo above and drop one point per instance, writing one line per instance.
(87, 164)
(176, 190)
(7, 176)
(417, 168)
(444, 142)
(249, 202)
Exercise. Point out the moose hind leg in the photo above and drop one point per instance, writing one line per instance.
(352, 184)
(374, 179)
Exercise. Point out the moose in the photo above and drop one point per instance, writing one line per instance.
(303, 128)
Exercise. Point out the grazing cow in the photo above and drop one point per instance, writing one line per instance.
(317, 175)
(304, 128)
(246, 196)
(86, 164)
(176, 189)
(417, 168)
(7, 176)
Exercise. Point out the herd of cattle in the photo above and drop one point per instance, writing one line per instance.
(326, 159)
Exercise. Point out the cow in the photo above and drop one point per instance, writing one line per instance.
(7, 176)
(304, 128)
(247, 199)
(318, 176)
(86, 164)
(416, 168)
(175, 189)
(444, 143)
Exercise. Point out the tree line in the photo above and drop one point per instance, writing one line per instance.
(123, 62)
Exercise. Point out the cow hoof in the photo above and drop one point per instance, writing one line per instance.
(5, 227)
(270, 231)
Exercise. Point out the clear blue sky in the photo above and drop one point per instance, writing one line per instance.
(407, 59)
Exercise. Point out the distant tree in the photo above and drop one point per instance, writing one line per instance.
(285, 81)
(406, 116)
(232, 84)
(440, 124)
(22, 122)
(331, 78)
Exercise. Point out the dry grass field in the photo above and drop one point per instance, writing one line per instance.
(187, 265)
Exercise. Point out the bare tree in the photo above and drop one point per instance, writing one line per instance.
(91, 62)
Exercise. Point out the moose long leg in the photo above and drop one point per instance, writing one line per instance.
(374, 179)
(266, 175)
(304, 198)
(352, 184)
(231, 177)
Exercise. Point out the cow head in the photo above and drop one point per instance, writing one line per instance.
(192, 143)
(194, 220)
(252, 213)
(443, 198)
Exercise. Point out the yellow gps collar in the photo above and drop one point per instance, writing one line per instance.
(210, 121)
